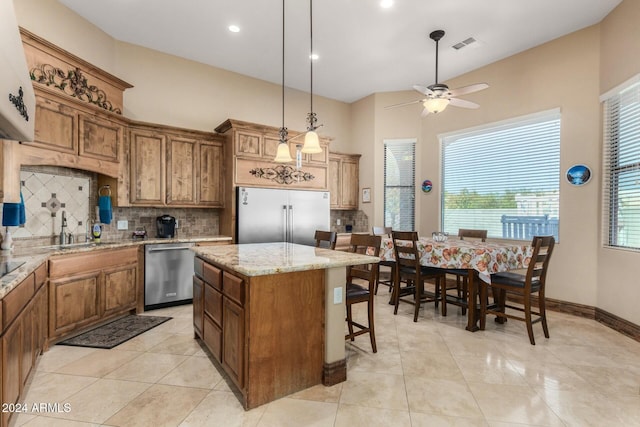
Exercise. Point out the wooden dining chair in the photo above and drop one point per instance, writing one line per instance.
(357, 293)
(409, 270)
(325, 239)
(524, 286)
(384, 280)
(462, 275)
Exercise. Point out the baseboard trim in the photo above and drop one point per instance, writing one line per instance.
(610, 320)
(334, 373)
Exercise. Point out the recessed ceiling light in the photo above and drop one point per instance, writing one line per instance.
(386, 4)
(314, 56)
(234, 28)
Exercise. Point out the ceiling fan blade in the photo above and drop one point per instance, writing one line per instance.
(404, 103)
(468, 89)
(463, 103)
(423, 90)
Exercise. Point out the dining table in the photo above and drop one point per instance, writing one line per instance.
(481, 259)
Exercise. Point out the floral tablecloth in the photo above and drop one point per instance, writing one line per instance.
(485, 257)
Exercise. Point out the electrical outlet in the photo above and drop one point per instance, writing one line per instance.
(123, 225)
(337, 295)
(338, 222)
(177, 224)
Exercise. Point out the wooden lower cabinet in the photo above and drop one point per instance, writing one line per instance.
(24, 336)
(233, 335)
(198, 302)
(265, 332)
(74, 302)
(90, 287)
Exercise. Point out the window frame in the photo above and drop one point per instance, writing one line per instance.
(412, 188)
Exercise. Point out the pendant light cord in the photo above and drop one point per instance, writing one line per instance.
(311, 53)
(283, 64)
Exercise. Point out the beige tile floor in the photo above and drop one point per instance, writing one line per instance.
(429, 373)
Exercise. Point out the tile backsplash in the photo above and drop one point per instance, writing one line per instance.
(357, 219)
(47, 196)
(48, 191)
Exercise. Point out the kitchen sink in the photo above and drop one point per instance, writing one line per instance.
(71, 246)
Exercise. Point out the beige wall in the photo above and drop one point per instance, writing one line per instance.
(568, 73)
(179, 92)
(618, 284)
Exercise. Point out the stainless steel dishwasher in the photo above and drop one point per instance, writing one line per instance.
(168, 274)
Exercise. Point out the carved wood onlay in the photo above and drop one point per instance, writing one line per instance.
(282, 174)
(73, 82)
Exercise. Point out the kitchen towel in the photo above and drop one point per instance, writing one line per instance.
(10, 214)
(104, 207)
(23, 212)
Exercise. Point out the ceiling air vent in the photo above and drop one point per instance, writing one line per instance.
(464, 43)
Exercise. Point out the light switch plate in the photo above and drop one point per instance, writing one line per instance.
(123, 225)
(337, 295)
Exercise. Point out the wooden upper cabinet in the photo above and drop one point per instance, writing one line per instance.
(56, 126)
(181, 171)
(344, 184)
(147, 167)
(100, 138)
(210, 174)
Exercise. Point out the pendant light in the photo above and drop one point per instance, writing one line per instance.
(311, 141)
(283, 155)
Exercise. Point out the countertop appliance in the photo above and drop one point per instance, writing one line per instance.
(166, 225)
(269, 215)
(168, 274)
(17, 99)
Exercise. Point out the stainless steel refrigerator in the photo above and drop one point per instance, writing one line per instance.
(266, 215)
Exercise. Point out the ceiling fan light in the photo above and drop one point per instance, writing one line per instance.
(435, 105)
(311, 143)
(283, 155)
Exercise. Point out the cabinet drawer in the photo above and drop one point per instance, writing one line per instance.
(40, 275)
(17, 299)
(212, 276)
(197, 267)
(213, 338)
(213, 303)
(233, 287)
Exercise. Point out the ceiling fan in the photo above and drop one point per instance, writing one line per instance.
(438, 95)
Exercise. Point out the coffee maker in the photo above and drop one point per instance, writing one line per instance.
(166, 225)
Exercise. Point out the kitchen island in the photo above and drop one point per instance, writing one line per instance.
(272, 315)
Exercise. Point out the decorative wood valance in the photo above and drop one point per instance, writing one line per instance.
(55, 69)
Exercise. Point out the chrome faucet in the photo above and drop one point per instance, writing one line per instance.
(63, 226)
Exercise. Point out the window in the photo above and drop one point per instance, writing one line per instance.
(504, 178)
(621, 157)
(399, 184)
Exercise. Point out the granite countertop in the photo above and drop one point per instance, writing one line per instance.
(35, 256)
(261, 259)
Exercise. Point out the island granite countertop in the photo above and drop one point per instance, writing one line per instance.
(261, 259)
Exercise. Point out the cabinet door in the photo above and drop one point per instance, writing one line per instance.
(56, 126)
(233, 341)
(147, 167)
(119, 289)
(11, 360)
(212, 336)
(27, 318)
(211, 175)
(100, 138)
(40, 319)
(74, 301)
(334, 182)
(349, 184)
(181, 171)
(198, 305)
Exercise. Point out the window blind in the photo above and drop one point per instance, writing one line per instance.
(399, 184)
(621, 168)
(504, 178)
